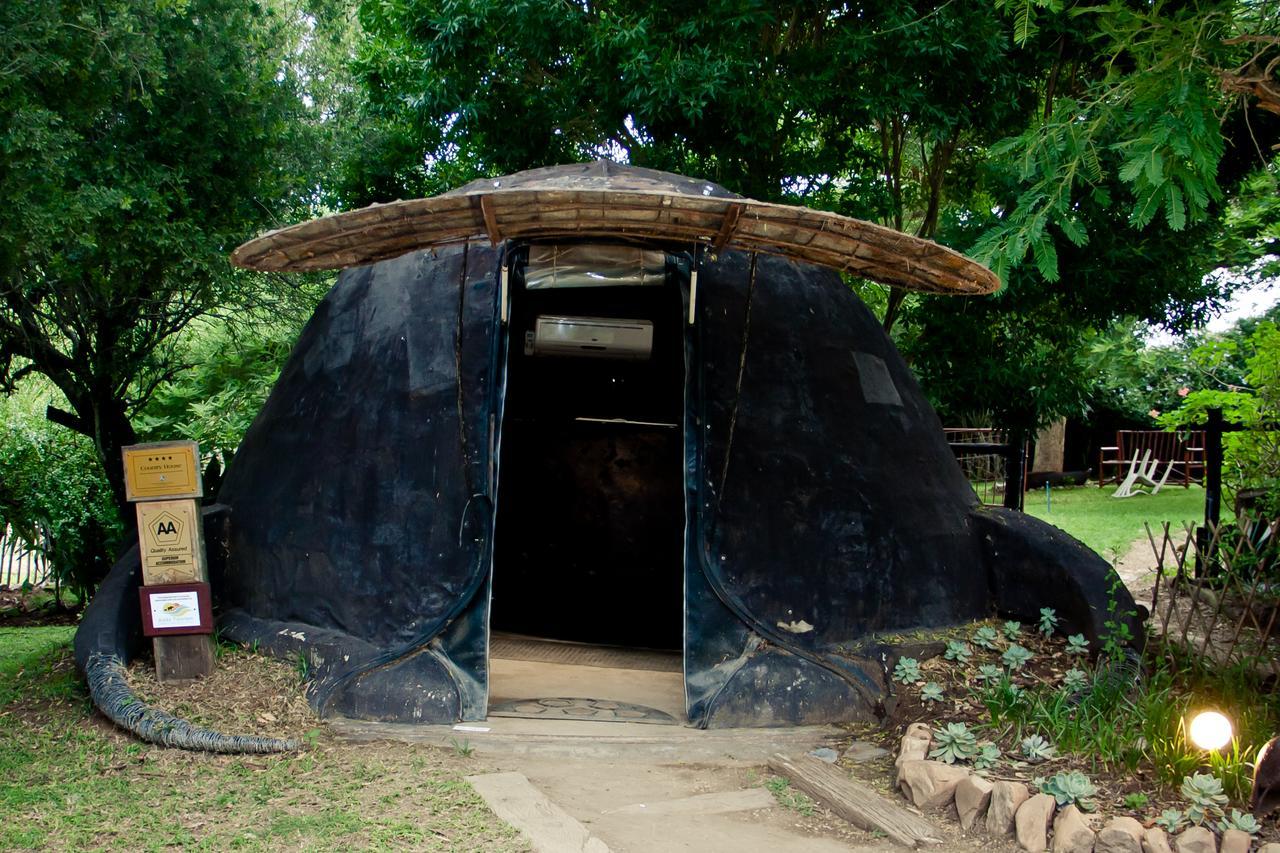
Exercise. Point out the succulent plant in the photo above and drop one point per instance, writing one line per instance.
(988, 755)
(1241, 821)
(954, 742)
(1204, 793)
(1074, 679)
(1048, 621)
(931, 692)
(986, 638)
(1070, 787)
(1012, 629)
(990, 672)
(1077, 645)
(1171, 820)
(1036, 749)
(958, 650)
(907, 671)
(1015, 656)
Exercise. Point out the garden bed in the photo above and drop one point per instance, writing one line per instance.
(1118, 720)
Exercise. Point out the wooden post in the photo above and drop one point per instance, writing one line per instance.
(1206, 561)
(1015, 470)
(163, 480)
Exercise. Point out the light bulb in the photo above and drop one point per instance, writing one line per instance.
(1210, 730)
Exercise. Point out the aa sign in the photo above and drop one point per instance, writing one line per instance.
(169, 540)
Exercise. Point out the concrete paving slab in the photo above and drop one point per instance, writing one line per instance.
(547, 827)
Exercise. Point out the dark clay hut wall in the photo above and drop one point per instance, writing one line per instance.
(360, 498)
(828, 493)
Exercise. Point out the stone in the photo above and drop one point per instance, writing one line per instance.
(1156, 840)
(1071, 834)
(1120, 835)
(1006, 797)
(1031, 823)
(931, 784)
(859, 752)
(973, 795)
(1269, 848)
(825, 753)
(919, 730)
(914, 747)
(1235, 841)
(1197, 839)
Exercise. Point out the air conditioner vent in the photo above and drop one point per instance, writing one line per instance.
(597, 337)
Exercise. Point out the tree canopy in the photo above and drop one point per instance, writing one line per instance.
(140, 141)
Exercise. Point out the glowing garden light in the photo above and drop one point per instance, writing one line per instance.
(1210, 730)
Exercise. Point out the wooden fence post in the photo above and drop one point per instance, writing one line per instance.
(1212, 492)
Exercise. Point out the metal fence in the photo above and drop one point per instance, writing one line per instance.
(21, 562)
(1216, 593)
(993, 462)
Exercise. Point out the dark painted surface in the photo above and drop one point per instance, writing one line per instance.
(824, 504)
(1034, 565)
(360, 498)
(829, 500)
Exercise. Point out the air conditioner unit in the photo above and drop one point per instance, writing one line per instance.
(598, 337)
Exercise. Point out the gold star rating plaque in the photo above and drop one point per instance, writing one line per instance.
(163, 470)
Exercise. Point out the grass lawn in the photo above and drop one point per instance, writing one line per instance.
(71, 780)
(1109, 525)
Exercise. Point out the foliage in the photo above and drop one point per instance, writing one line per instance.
(214, 401)
(990, 672)
(1241, 821)
(907, 671)
(1136, 801)
(1073, 680)
(1036, 749)
(1070, 788)
(1171, 820)
(954, 742)
(788, 797)
(53, 494)
(1012, 630)
(988, 755)
(986, 638)
(1015, 657)
(1077, 645)
(139, 142)
(931, 692)
(958, 650)
(1048, 621)
(1204, 797)
(1252, 454)
(1122, 724)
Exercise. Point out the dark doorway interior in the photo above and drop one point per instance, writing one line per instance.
(590, 526)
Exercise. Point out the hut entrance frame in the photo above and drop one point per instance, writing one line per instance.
(589, 537)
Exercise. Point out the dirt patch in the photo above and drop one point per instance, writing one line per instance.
(245, 694)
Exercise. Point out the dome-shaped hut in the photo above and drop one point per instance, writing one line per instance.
(613, 406)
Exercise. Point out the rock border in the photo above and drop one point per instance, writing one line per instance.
(1007, 809)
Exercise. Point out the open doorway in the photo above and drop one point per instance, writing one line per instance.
(589, 540)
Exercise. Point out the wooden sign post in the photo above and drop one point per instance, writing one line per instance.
(163, 481)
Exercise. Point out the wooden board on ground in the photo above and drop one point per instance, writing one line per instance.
(854, 802)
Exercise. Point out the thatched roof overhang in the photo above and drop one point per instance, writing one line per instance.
(575, 203)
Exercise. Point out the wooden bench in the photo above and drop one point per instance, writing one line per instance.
(1184, 450)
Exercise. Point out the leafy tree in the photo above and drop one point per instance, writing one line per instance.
(53, 494)
(1251, 455)
(215, 400)
(140, 141)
